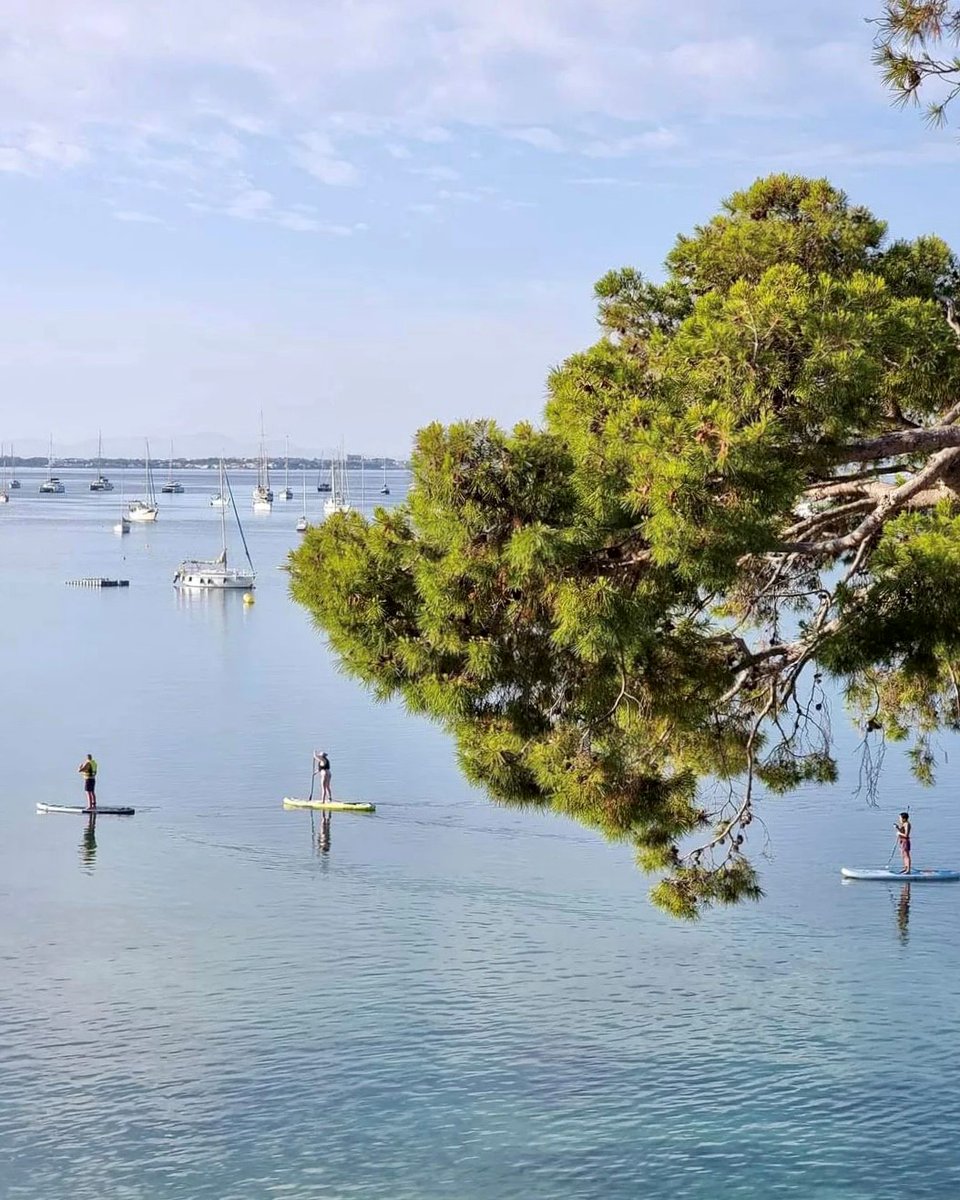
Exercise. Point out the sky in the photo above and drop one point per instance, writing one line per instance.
(359, 216)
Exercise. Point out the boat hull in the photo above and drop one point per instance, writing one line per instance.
(213, 583)
(142, 515)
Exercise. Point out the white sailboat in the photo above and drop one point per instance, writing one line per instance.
(385, 488)
(262, 495)
(4, 490)
(213, 574)
(145, 510)
(14, 484)
(173, 487)
(101, 483)
(302, 519)
(286, 492)
(339, 499)
(51, 486)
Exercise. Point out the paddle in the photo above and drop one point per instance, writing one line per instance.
(896, 847)
(313, 776)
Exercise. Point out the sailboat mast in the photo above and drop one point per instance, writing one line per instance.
(286, 465)
(223, 518)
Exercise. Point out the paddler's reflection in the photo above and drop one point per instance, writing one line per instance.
(903, 914)
(88, 843)
(320, 836)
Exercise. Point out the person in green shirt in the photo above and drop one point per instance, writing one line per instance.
(88, 769)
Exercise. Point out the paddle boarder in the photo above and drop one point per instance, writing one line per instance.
(321, 767)
(88, 769)
(903, 840)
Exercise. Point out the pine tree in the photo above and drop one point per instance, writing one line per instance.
(748, 484)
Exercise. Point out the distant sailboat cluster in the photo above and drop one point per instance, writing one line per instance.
(333, 482)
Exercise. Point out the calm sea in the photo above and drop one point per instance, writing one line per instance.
(449, 1000)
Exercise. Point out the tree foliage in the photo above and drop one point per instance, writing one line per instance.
(912, 49)
(750, 481)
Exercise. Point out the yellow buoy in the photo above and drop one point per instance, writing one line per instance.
(248, 598)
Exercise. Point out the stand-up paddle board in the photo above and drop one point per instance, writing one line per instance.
(329, 805)
(101, 810)
(934, 876)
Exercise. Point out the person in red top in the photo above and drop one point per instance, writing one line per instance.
(903, 838)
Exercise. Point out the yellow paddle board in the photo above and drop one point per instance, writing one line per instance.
(329, 805)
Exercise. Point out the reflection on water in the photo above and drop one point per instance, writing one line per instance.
(903, 914)
(323, 836)
(88, 843)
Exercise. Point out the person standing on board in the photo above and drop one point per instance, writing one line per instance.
(88, 769)
(321, 765)
(903, 838)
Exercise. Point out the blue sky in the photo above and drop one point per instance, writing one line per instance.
(362, 215)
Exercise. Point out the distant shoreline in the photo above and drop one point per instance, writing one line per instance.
(354, 463)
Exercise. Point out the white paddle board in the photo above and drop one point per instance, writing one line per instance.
(101, 810)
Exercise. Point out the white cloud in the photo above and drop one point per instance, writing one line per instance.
(624, 147)
(437, 173)
(14, 161)
(315, 154)
(538, 137)
(135, 217)
(188, 95)
(250, 204)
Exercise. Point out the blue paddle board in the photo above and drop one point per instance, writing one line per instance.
(932, 876)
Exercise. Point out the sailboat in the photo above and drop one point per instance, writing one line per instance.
(123, 525)
(339, 499)
(51, 486)
(302, 519)
(145, 510)
(14, 484)
(324, 485)
(262, 495)
(213, 574)
(286, 492)
(4, 491)
(101, 483)
(172, 486)
(385, 489)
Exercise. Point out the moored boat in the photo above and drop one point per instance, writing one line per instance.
(142, 511)
(213, 574)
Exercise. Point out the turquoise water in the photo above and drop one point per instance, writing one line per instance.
(451, 1000)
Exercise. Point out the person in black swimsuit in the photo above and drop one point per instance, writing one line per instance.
(321, 765)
